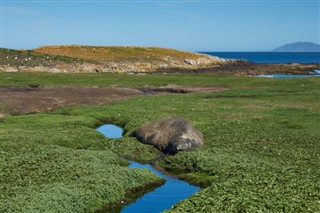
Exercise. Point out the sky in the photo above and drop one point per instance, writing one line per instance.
(193, 25)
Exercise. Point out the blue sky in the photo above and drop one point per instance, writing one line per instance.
(195, 25)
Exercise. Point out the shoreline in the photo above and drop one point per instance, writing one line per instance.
(236, 68)
(131, 60)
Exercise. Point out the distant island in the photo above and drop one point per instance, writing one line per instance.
(298, 47)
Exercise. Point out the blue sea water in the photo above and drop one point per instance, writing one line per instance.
(270, 57)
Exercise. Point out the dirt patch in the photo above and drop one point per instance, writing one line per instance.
(23, 100)
(20, 100)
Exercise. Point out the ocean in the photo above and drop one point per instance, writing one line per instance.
(270, 57)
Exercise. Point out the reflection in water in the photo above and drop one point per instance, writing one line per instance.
(111, 131)
(161, 198)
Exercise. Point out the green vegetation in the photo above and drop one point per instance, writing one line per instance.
(125, 80)
(261, 151)
(106, 79)
(58, 163)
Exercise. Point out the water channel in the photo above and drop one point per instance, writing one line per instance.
(287, 76)
(163, 197)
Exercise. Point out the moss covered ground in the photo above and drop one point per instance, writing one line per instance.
(261, 151)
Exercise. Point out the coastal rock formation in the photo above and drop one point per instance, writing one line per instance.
(204, 61)
(170, 135)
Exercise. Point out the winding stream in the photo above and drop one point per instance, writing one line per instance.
(163, 197)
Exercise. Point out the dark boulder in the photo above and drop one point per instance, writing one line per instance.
(170, 135)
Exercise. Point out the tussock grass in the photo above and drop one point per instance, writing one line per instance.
(118, 54)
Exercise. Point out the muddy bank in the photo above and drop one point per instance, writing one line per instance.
(34, 99)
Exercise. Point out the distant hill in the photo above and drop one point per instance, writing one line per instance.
(298, 47)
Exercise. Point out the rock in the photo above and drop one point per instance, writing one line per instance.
(9, 69)
(163, 65)
(190, 62)
(170, 135)
(2, 117)
(39, 68)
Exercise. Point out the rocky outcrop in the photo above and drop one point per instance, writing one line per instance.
(205, 61)
(111, 67)
(2, 116)
(170, 135)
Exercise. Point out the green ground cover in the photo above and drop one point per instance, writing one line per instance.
(47, 166)
(106, 79)
(125, 80)
(261, 149)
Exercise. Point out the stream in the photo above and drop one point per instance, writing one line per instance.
(163, 197)
(288, 76)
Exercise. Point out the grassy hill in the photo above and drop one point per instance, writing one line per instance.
(120, 54)
(84, 59)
